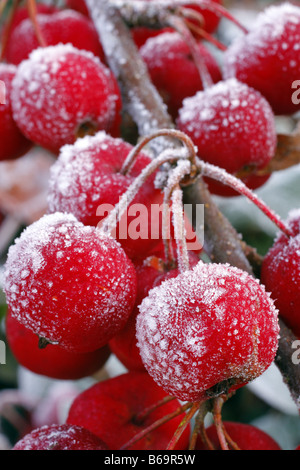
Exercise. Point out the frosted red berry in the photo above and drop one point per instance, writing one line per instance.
(111, 409)
(87, 181)
(65, 26)
(167, 56)
(245, 436)
(60, 437)
(69, 283)
(209, 325)
(280, 273)
(61, 93)
(13, 143)
(232, 126)
(53, 361)
(268, 58)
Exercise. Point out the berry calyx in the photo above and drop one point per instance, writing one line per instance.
(60, 437)
(70, 284)
(280, 273)
(166, 56)
(267, 58)
(114, 410)
(212, 324)
(52, 361)
(231, 125)
(43, 96)
(13, 143)
(244, 436)
(65, 26)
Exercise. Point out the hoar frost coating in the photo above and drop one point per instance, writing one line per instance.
(69, 283)
(208, 325)
(60, 88)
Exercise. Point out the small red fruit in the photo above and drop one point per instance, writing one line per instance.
(13, 143)
(268, 58)
(212, 324)
(60, 437)
(44, 91)
(167, 56)
(280, 273)
(53, 361)
(69, 283)
(112, 410)
(66, 26)
(232, 126)
(86, 180)
(246, 436)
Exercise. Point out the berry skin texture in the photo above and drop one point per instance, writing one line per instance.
(70, 284)
(87, 177)
(211, 324)
(60, 437)
(166, 56)
(280, 273)
(232, 126)
(246, 436)
(66, 26)
(43, 95)
(52, 361)
(268, 57)
(13, 143)
(110, 410)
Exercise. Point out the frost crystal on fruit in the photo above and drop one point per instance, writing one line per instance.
(211, 324)
(70, 284)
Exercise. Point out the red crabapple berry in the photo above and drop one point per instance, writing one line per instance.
(166, 56)
(60, 437)
(70, 284)
(61, 93)
(114, 410)
(232, 126)
(268, 58)
(211, 325)
(13, 143)
(66, 26)
(280, 273)
(245, 436)
(53, 361)
(87, 178)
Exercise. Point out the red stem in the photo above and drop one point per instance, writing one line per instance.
(208, 37)
(183, 425)
(180, 26)
(219, 174)
(32, 11)
(156, 425)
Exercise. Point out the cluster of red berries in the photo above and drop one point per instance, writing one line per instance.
(78, 290)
